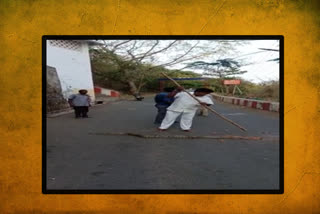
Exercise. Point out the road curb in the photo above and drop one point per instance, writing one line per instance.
(250, 103)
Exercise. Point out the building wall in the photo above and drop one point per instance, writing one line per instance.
(72, 62)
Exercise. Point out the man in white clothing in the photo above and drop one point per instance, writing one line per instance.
(187, 106)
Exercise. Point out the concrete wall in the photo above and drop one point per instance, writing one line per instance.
(53, 79)
(55, 100)
(72, 62)
(257, 104)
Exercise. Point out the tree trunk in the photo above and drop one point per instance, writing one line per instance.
(133, 88)
(227, 89)
(140, 86)
(222, 86)
(141, 83)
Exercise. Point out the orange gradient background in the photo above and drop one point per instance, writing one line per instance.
(22, 24)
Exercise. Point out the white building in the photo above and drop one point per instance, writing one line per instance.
(71, 60)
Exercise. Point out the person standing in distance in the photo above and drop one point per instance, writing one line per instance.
(80, 103)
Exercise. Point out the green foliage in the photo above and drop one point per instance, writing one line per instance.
(187, 84)
(268, 90)
(182, 74)
(136, 64)
(111, 71)
(220, 68)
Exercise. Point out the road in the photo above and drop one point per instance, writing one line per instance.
(78, 159)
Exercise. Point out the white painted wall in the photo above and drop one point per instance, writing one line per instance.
(73, 68)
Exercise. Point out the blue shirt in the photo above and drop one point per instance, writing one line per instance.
(80, 99)
(162, 99)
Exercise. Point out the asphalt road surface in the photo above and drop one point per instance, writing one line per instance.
(77, 159)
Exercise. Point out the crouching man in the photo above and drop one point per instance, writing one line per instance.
(163, 101)
(186, 106)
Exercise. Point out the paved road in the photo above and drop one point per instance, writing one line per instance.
(78, 160)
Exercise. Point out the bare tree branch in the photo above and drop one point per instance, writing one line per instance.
(159, 51)
(156, 43)
(116, 46)
(176, 60)
(133, 46)
(132, 56)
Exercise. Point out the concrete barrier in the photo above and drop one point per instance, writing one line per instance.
(257, 104)
(104, 91)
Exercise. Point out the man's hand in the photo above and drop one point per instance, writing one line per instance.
(176, 91)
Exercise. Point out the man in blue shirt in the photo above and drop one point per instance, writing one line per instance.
(80, 102)
(163, 101)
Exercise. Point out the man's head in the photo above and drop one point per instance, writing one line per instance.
(168, 89)
(83, 91)
(199, 92)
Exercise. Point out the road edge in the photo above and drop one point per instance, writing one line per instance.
(250, 103)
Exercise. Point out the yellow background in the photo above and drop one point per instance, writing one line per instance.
(22, 23)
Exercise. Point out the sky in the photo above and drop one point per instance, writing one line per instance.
(259, 69)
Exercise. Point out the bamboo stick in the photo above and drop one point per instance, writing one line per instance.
(210, 109)
(218, 137)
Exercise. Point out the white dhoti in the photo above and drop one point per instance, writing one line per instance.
(203, 111)
(183, 104)
(185, 121)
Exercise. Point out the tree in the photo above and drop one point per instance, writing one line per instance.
(136, 60)
(221, 68)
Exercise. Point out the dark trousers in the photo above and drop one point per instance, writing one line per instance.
(81, 111)
(162, 110)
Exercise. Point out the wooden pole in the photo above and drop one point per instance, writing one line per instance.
(239, 90)
(234, 90)
(210, 109)
(181, 136)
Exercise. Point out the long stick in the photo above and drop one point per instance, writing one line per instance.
(181, 136)
(210, 109)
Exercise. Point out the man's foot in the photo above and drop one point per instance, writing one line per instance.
(161, 130)
(187, 130)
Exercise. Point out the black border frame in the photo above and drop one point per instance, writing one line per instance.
(163, 37)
